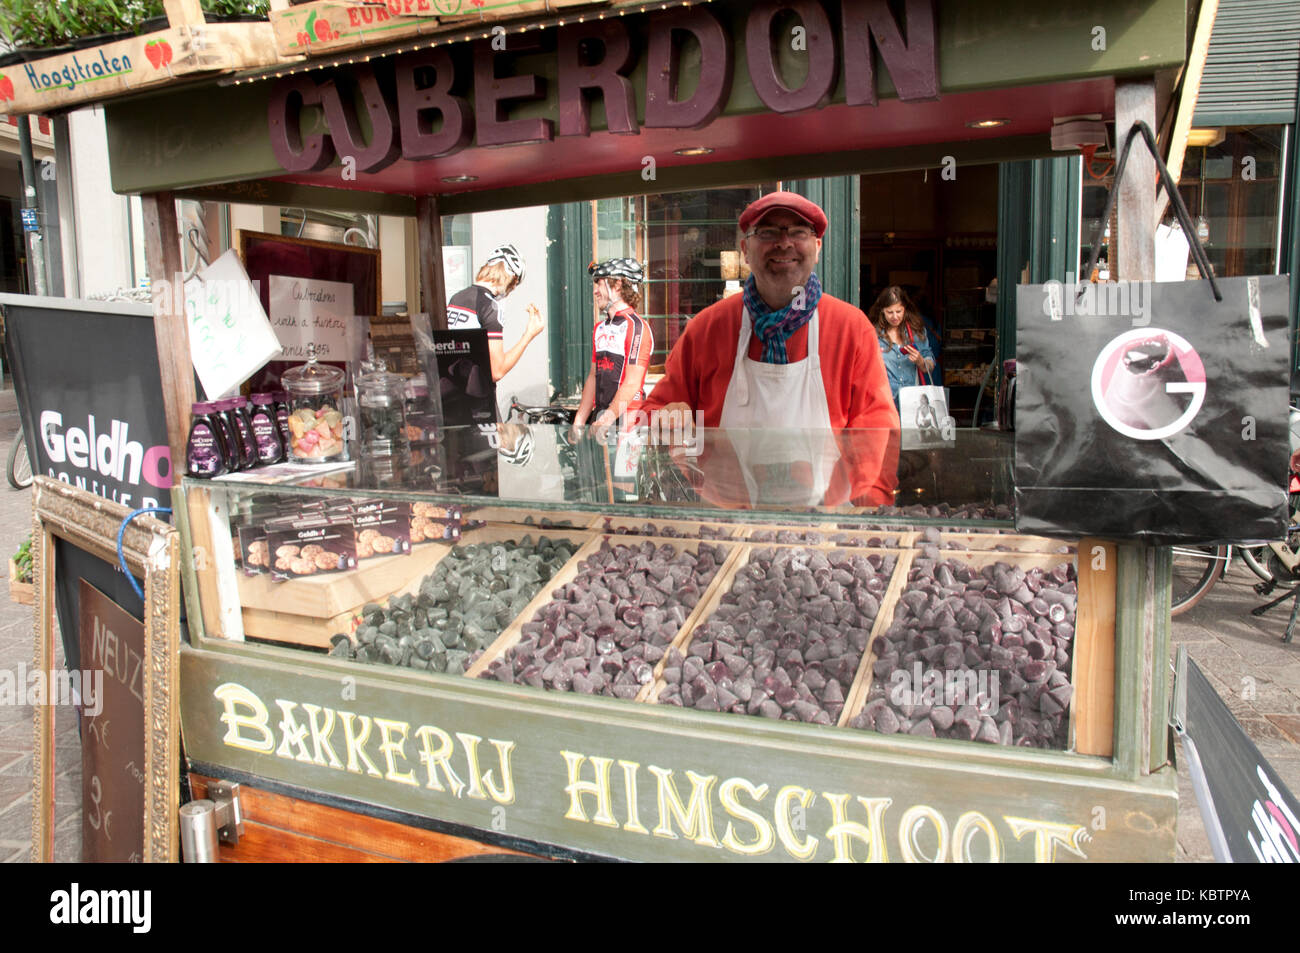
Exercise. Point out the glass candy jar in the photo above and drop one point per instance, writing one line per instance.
(382, 398)
(315, 411)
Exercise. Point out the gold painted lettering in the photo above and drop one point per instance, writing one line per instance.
(786, 824)
(599, 789)
(633, 825)
(964, 831)
(1048, 836)
(909, 825)
(471, 743)
(391, 748)
(440, 757)
(230, 694)
(292, 734)
(480, 779)
(696, 821)
(356, 744)
(320, 737)
(766, 839)
(843, 831)
(506, 793)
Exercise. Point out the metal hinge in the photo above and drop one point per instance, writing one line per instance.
(217, 818)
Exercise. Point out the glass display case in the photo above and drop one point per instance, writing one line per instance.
(694, 599)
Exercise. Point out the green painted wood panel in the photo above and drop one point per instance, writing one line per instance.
(645, 782)
(205, 133)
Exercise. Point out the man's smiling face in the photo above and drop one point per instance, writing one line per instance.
(783, 264)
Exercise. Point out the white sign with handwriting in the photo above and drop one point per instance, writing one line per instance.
(308, 310)
(230, 336)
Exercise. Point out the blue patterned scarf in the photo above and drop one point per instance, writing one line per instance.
(775, 327)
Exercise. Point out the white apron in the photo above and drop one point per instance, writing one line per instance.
(792, 398)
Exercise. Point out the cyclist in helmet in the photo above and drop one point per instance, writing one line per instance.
(621, 344)
(477, 307)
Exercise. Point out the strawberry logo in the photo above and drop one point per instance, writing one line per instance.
(6, 88)
(302, 39)
(319, 27)
(159, 53)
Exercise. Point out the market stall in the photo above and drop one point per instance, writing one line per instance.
(648, 657)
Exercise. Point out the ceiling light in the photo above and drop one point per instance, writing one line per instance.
(459, 179)
(986, 123)
(693, 151)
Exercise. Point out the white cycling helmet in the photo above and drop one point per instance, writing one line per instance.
(509, 256)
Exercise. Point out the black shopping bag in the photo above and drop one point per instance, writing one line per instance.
(1154, 411)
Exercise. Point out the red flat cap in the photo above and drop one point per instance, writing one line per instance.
(810, 212)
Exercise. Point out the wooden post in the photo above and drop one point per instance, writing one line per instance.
(163, 257)
(432, 280)
(1135, 261)
(184, 13)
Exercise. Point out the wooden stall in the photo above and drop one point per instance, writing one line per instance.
(304, 690)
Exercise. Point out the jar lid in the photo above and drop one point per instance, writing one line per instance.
(377, 377)
(263, 399)
(313, 377)
(227, 403)
(203, 408)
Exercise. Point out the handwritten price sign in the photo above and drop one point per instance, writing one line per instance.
(230, 337)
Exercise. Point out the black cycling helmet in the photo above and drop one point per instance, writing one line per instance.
(509, 256)
(627, 268)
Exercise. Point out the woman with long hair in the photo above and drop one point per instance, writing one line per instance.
(904, 342)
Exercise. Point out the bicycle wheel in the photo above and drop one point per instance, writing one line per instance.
(19, 468)
(1196, 570)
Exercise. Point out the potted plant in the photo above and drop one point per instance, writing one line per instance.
(22, 587)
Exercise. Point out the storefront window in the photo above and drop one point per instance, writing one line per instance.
(1236, 187)
(680, 238)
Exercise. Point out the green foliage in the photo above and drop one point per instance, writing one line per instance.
(23, 560)
(36, 24)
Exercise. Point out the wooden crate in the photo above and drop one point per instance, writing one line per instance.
(332, 26)
(1094, 625)
(282, 612)
(903, 562)
(24, 593)
(130, 65)
(512, 635)
(1014, 543)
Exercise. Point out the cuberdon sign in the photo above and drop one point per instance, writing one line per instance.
(402, 96)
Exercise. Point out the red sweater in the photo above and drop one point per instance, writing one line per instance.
(857, 388)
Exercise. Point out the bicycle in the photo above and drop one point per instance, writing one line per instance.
(19, 467)
(1196, 570)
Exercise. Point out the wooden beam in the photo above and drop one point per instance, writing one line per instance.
(1134, 100)
(162, 250)
(184, 12)
(433, 283)
(1187, 96)
(1136, 260)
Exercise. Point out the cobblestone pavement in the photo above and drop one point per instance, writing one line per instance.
(1243, 657)
(18, 647)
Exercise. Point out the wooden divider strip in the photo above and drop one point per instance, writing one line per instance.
(857, 695)
(1092, 709)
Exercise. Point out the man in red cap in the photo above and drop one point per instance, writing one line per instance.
(789, 361)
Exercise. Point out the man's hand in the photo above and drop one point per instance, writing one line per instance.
(535, 323)
(674, 420)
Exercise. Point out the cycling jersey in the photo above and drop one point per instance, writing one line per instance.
(618, 343)
(472, 308)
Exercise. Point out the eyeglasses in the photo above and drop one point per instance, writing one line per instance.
(796, 233)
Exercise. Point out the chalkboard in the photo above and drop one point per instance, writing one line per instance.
(89, 396)
(112, 730)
